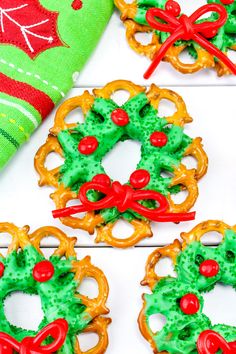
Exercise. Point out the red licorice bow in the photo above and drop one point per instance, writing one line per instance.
(29, 345)
(186, 28)
(123, 197)
(210, 342)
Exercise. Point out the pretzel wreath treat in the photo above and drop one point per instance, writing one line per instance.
(147, 196)
(56, 281)
(198, 269)
(207, 39)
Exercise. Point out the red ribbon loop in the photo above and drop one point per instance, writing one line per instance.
(124, 197)
(210, 342)
(186, 28)
(33, 345)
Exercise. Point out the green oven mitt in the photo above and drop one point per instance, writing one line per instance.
(43, 46)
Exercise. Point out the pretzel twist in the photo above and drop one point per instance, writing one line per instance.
(66, 244)
(127, 10)
(132, 29)
(47, 177)
(181, 116)
(108, 90)
(141, 228)
(84, 269)
(170, 251)
(61, 197)
(19, 236)
(99, 326)
(196, 151)
(204, 60)
(186, 179)
(84, 102)
(200, 230)
(221, 68)
(146, 330)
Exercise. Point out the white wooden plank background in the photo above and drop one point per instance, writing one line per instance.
(210, 101)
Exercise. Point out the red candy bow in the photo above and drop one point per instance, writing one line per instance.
(29, 345)
(186, 28)
(123, 197)
(210, 342)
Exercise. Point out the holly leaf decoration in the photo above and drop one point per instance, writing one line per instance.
(27, 25)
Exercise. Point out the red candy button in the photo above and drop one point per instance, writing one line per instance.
(77, 4)
(158, 139)
(43, 271)
(173, 8)
(140, 178)
(189, 304)
(88, 145)
(2, 268)
(120, 117)
(209, 268)
(102, 179)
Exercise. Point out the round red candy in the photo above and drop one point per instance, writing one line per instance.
(43, 271)
(210, 33)
(2, 268)
(140, 178)
(189, 304)
(103, 179)
(173, 8)
(209, 268)
(77, 4)
(120, 117)
(158, 139)
(88, 145)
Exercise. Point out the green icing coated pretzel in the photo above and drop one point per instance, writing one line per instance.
(181, 331)
(83, 147)
(224, 40)
(143, 121)
(59, 295)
